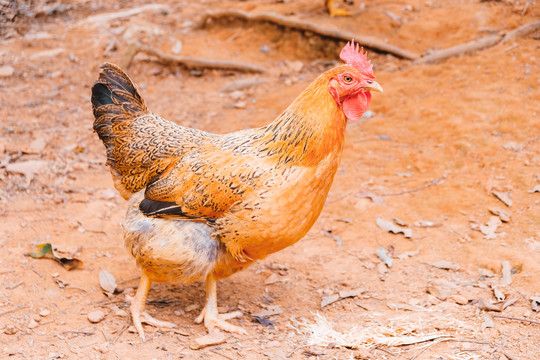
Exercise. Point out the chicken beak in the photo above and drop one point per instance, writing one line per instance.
(373, 86)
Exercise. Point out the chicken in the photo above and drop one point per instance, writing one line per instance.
(204, 206)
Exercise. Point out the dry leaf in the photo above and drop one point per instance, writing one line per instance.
(483, 304)
(488, 322)
(446, 265)
(505, 197)
(504, 215)
(427, 224)
(49, 251)
(535, 189)
(107, 281)
(491, 227)
(381, 253)
(327, 300)
(393, 228)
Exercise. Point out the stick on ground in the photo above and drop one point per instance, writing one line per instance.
(304, 25)
(191, 62)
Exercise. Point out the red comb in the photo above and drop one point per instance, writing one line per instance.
(354, 56)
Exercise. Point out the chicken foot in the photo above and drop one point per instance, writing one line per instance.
(138, 304)
(212, 319)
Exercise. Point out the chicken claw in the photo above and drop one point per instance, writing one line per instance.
(138, 303)
(212, 319)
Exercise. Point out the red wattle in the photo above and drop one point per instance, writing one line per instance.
(355, 106)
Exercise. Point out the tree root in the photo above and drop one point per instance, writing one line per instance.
(303, 25)
(190, 62)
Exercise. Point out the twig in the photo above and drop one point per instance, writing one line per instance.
(191, 62)
(296, 349)
(521, 31)
(439, 340)
(303, 25)
(480, 44)
(11, 287)
(517, 319)
(122, 329)
(220, 354)
(36, 272)
(461, 49)
(12, 310)
(425, 186)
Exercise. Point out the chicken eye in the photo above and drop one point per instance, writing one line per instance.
(348, 79)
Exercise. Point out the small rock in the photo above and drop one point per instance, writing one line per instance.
(441, 289)
(272, 279)
(264, 49)
(237, 95)
(192, 307)
(96, 316)
(6, 71)
(207, 340)
(270, 311)
(32, 324)
(240, 104)
(177, 48)
(458, 299)
(368, 114)
(10, 329)
(44, 312)
(121, 313)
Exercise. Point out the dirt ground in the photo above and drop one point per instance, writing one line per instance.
(441, 139)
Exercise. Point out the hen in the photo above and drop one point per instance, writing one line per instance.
(204, 206)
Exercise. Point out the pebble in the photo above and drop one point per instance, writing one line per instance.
(368, 114)
(265, 49)
(45, 312)
(6, 71)
(96, 316)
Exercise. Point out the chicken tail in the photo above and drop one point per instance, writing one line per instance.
(140, 145)
(116, 103)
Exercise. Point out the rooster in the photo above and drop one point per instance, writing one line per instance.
(204, 206)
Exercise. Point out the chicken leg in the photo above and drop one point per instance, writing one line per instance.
(212, 319)
(138, 304)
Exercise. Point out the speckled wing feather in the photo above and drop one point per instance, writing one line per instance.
(140, 145)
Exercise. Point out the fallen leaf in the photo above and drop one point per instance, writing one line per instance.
(505, 197)
(483, 304)
(47, 250)
(504, 215)
(107, 281)
(381, 253)
(535, 189)
(393, 228)
(488, 322)
(349, 293)
(441, 289)
(399, 222)
(377, 199)
(446, 265)
(427, 224)
(491, 227)
(498, 294)
(509, 302)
